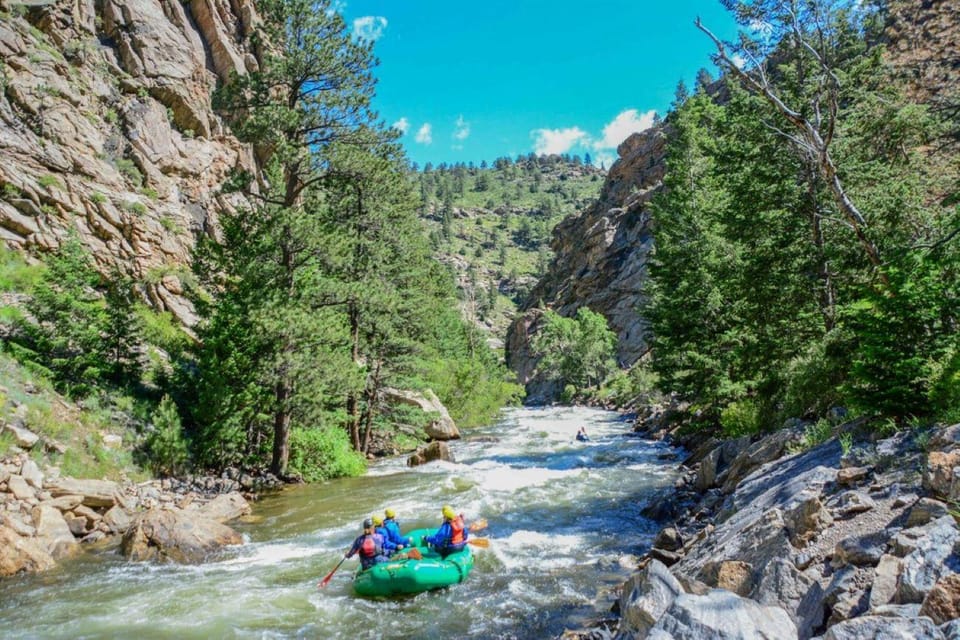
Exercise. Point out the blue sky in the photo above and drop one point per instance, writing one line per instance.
(471, 81)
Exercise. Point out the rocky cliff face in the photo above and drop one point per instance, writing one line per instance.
(600, 258)
(602, 252)
(107, 130)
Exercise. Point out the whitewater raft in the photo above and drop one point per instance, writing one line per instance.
(413, 576)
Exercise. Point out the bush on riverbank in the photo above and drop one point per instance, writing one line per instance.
(322, 453)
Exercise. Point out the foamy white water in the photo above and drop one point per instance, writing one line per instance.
(563, 526)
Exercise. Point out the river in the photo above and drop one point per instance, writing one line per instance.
(564, 529)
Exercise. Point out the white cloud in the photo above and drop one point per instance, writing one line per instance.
(462, 132)
(603, 159)
(551, 141)
(762, 29)
(402, 125)
(626, 123)
(738, 60)
(337, 6)
(369, 28)
(425, 134)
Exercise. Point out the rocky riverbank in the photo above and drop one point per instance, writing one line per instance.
(772, 537)
(45, 517)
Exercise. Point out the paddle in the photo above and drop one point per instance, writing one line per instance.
(413, 554)
(478, 525)
(326, 580)
(483, 543)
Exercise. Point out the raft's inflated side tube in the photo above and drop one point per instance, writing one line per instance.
(414, 576)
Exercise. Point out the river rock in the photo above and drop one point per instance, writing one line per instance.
(852, 475)
(864, 551)
(668, 538)
(53, 532)
(19, 554)
(885, 579)
(940, 476)
(882, 627)
(942, 604)
(783, 585)
(117, 519)
(32, 474)
(925, 510)
(171, 534)
(64, 503)
(226, 507)
(430, 453)
(96, 493)
(933, 558)
(722, 615)
(442, 427)
(645, 597)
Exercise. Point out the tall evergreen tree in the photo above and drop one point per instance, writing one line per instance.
(311, 92)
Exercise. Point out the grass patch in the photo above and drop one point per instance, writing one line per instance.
(16, 275)
(46, 181)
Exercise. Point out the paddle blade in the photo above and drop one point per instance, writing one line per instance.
(478, 525)
(414, 554)
(326, 580)
(483, 543)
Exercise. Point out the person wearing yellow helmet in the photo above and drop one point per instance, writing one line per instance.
(388, 545)
(370, 546)
(393, 529)
(452, 534)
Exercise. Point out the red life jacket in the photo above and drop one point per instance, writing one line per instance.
(457, 525)
(369, 548)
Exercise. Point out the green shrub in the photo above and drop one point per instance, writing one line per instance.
(945, 388)
(160, 328)
(323, 453)
(136, 208)
(46, 181)
(165, 445)
(814, 434)
(130, 170)
(740, 418)
(814, 377)
(15, 274)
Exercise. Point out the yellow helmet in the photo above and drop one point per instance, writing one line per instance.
(448, 512)
(390, 513)
(378, 520)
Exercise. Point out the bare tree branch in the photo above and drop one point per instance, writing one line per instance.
(813, 142)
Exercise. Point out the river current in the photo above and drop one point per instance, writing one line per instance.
(563, 524)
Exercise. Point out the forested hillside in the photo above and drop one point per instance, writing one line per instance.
(229, 260)
(804, 232)
(493, 225)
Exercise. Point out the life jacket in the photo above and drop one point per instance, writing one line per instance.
(456, 537)
(370, 547)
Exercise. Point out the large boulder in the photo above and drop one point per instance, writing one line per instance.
(53, 532)
(722, 615)
(645, 597)
(96, 493)
(442, 426)
(934, 556)
(882, 627)
(225, 507)
(19, 554)
(430, 453)
(185, 537)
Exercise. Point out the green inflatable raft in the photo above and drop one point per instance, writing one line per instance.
(413, 576)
